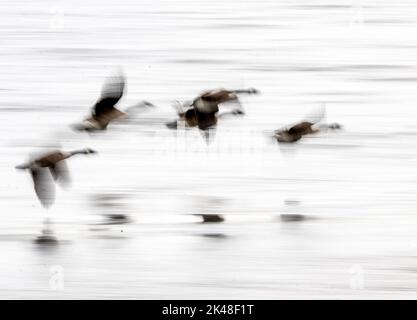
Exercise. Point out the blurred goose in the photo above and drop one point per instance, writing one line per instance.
(104, 110)
(291, 217)
(49, 168)
(211, 218)
(203, 111)
(186, 113)
(295, 132)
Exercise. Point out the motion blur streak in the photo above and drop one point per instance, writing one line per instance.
(330, 216)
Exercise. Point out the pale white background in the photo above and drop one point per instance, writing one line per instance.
(357, 188)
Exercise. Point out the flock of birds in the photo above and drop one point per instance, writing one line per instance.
(204, 113)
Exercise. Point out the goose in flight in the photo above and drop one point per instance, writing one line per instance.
(203, 111)
(47, 169)
(295, 132)
(104, 110)
(211, 218)
(310, 125)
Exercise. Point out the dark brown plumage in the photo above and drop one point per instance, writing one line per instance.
(203, 111)
(104, 110)
(305, 127)
(295, 132)
(211, 218)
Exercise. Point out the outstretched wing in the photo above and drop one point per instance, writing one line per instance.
(111, 93)
(317, 115)
(60, 173)
(301, 128)
(218, 96)
(44, 186)
(209, 101)
(180, 107)
(306, 125)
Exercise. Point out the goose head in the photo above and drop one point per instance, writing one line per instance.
(253, 91)
(23, 166)
(89, 151)
(335, 126)
(84, 151)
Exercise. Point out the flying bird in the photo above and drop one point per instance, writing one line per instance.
(104, 110)
(295, 132)
(203, 111)
(47, 169)
(211, 218)
(310, 125)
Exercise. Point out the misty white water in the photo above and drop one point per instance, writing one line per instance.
(355, 188)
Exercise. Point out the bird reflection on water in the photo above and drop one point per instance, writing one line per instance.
(49, 168)
(211, 218)
(46, 169)
(48, 236)
(112, 207)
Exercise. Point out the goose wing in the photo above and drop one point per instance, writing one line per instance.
(305, 126)
(317, 115)
(180, 107)
(209, 101)
(300, 128)
(44, 186)
(218, 96)
(111, 93)
(60, 173)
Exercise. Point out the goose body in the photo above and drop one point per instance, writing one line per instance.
(104, 110)
(209, 101)
(295, 132)
(101, 121)
(47, 169)
(210, 217)
(203, 111)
